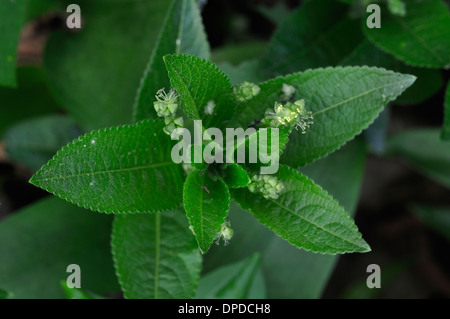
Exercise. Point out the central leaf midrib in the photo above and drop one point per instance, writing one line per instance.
(135, 168)
(317, 225)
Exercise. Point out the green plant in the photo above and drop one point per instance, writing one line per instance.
(320, 95)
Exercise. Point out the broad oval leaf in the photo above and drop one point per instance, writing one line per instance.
(305, 215)
(182, 32)
(41, 240)
(155, 255)
(95, 73)
(420, 38)
(206, 203)
(235, 176)
(126, 169)
(343, 100)
(198, 82)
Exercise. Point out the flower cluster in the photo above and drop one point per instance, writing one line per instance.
(166, 106)
(268, 185)
(225, 233)
(290, 114)
(246, 91)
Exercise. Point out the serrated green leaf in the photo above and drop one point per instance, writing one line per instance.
(445, 135)
(95, 72)
(428, 81)
(125, 169)
(343, 100)
(421, 38)
(425, 151)
(305, 274)
(235, 176)
(182, 32)
(30, 98)
(438, 218)
(156, 255)
(206, 203)
(198, 81)
(41, 240)
(34, 142)
(305, 215)
(317, 34)
(12, 16)
(241, 280)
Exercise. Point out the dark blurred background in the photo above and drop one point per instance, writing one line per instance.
(414, 259)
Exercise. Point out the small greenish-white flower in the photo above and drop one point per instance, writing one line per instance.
(209, 108)
(290, 114)
(166, 104)
(288, 91)
(270, 186)
(246, 91)
(225, 233)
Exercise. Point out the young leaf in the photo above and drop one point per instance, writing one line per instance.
(34, 142)
(445, 135)
(317, 34)
(425, 151)
(125, 169)
(235, 176)
(437, 218)
(241, 280)
(95, 73)
(420, 38)
(206, 203)
(12, 16)
(41, 240)
(30, 98)
(155, 255)
(304, 215)
(344, 167)
(343, 100)
(182, 32)
(428, 81)
(199, 82)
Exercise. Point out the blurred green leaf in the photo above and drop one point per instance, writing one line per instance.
(421, 38)
(156, 255)
(241, 280)
(34, 142)
(304, 274)
(40, 241)
(437, 218)
(235, 176)
(125, 169)
(246, 71)
(238, 53)
(182, 32)
(445, 135)
(12, 17)
(31, 98)
(425, 151)
(317, 34)
(95, 72)
(77, 293)
(5, 294)
(428, 81)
